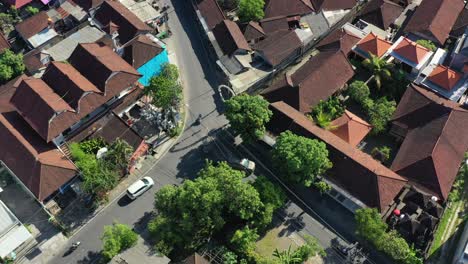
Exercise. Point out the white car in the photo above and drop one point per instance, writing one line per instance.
(139, 187)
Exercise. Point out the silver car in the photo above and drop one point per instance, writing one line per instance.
(139, 187)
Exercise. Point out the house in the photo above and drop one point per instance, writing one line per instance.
(146, 55)
(380, 13)
(372, 44)
(319, 78)
(17, 3)
(273, 24)
(36, 61)
(254, 32)
(36, 30)
(230, 38)
(411, 55)
(4, 44)
(434, 19)
(209, 14)
(38, 116)
(445, 81)
(360, 180)
(339, 39)
(279, 47)
(116, 20)
(459, 55)
(434, 140)
(350, 127)
(88, 5)
(13, 233)
(460, 25)
(275, 8)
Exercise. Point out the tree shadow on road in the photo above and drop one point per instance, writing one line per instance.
(91, 257)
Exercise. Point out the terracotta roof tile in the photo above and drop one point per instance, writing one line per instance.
(350, 128)
(411, 50)
(435, 17)
(445, 77)
(88, 4)
(230, 37)
(460, 25)
(370, 181)
(279, 46)
(4, 44)
(211, 12)
(330, 5)
(275, 8)
(141, 50)
(374, 45)
(33, 25)
(381, 13)
(18, 3)
(253, 31)
(339, 39)
(273, 24)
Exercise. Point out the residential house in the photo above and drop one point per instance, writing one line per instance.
(320, 77)
(357, 179)
(279, 48)
(17, 3)
(434, 140)
(146, 54)
(4, 44)
(254, 32)
(36, 61)
(275, 8)
(340, 39)
(119, 22)
(230, 38)
(459, 56)
(380, 13)
(88, 5)
(412, 56)
(445, 81)
(372, 44)
(434, 19)
(13, 234)
(209, 14)
(36, 30)
(350, 127)
(38, 116)
(461, 23)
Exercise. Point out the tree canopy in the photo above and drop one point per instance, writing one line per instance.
(427, 44)
(11, 65)
(191, 213)
(248, 115)
(251, 10)
(165, 88)
(379, 67)
(117, 238)
(358, 91)
(300, 159)
(380, 112)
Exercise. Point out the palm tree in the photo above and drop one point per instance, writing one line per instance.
(287, 256)
(324, 120)
(379, 67)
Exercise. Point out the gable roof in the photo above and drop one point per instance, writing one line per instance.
(436, 17)
(445, 77)
(275, 8)
(435, 145)
(278, 46)
(355, 171)
(461, 23)
(211, 12)
(4, 44)
(339, 39)
(32, 60)
(253, 31)
(350, 128)
(372, 44)
(320, 77)
(88, 4)
(229, 37)
(33, 25)
(273, 24)
(129, 25)
(140, 50)
(330, 5)
(17, 3)
(411, 50)
(381, 13)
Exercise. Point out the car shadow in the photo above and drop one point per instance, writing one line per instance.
(124, 201)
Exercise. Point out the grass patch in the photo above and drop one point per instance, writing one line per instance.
(273, 240)
(448, 214)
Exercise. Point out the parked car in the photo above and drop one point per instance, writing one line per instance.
(244, 164)
(139, 187)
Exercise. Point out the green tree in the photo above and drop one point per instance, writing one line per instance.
(381, 153)
(322, 186)
(170, 71)
(248, 115)
(165, 92)
(427, 44)
(243, 240)
(269, 192)
(11, 65)
(32, 10)
(117, 238)
(118, 155)
(92, 146)
(380, 112)
(379, 67)
(251, 10)
(323, 120)
(300, 159)
(331, 107)
(287, 256)
(358, 91)
(369, 224)
(191, 213)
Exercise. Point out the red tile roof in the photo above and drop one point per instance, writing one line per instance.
(88, 4)
(330, 5)
(435, 17)
(17, 3)
(411, 50)
(4, 44)
(445, 77)
(339, 39)
(381, 13)
(319, 78)
(273, 24)
(350, 128)
(230, 37)
(128, 23)
(374, 45)
(435, 145)
(253, 31)
(140, 50)
(211, 12)
(275, 8)
(358, 173)
(279, 46)
(33, 25)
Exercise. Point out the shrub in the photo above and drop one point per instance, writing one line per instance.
(427, 44)
(32, 10)
(118, 155)
(381, 153)
(322, 186)
(332, 106)
(358, 91)
(380, 113)
(243, 240)
(92, 146)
